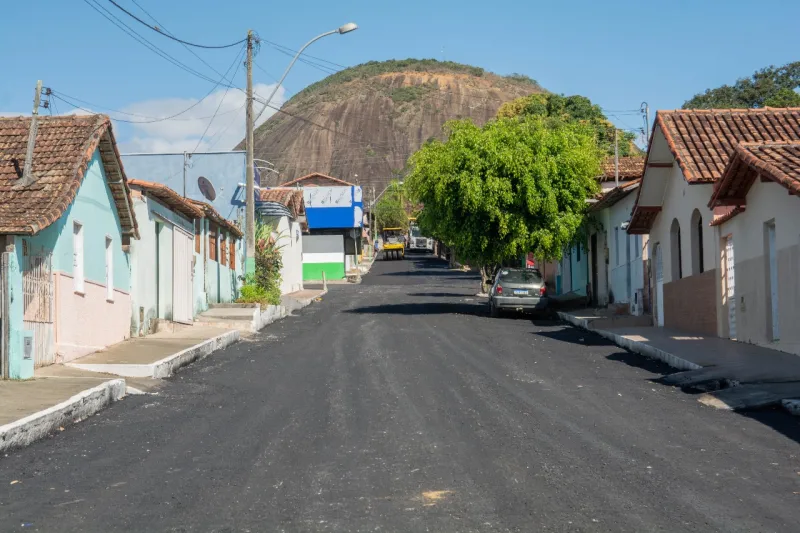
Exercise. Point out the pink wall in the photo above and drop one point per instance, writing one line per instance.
(87, 323)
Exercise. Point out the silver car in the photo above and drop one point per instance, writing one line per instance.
(517, 289)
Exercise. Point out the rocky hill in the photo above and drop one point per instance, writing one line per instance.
(362, 123)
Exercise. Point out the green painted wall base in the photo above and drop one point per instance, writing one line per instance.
(249, 266)
(313, 271)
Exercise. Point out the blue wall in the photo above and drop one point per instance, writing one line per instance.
(94, 208)
(225, 170)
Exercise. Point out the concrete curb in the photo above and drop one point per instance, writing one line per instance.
(167, 366)
(79, 407)
(634, 346)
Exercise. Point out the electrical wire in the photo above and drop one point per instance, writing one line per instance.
(280, 46)
(236, 62)
(66, 99)
(167, 35)
(142, 40)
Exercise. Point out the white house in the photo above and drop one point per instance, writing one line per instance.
(688, 152)
(761, 236)
(616, 258)
(285, 210)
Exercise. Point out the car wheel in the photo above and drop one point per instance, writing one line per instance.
(494, 311)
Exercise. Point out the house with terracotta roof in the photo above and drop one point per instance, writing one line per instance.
(696, 172)
(67, 226)
(283, 208)
(317, 179)
(187, 256)
(607, 269)
(759, 199)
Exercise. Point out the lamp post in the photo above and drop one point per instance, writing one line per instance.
(341, 30)
(250, 182)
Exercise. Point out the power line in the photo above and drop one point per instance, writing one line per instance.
(220, 133)
(157, 30)
(236, 62)
(280, 46)
(139, 38)
(164, 29)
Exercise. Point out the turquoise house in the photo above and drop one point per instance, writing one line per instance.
(67, 226)
(187, 257)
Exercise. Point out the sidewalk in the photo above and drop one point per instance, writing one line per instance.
(757, 376)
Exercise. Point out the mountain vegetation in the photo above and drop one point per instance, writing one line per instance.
(768, 87)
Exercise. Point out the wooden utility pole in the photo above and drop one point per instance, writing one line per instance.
(27, 171)
(616, 159)
(250, 215)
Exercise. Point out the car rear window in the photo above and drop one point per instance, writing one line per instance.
(520, 276)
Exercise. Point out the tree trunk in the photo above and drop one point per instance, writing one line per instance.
(487, 277)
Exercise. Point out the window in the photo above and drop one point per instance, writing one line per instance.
(578, 253)
(77, 257)
(198, 234)
(232, 255)
(223, 250)
(212, 241)
(637, 240)
(109, 270)
(616, 246)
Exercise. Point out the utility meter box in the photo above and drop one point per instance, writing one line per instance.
(27, 345)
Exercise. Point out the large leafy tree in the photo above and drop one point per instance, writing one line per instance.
(513, 186)
(391, 209)
(768, 87)
(572, 109)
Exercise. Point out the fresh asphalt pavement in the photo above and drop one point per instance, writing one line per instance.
(400, 405)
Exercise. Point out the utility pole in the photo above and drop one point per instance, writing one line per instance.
(250, 215)
(27, 171)
(616, 158)
(645, 108)
(185, 164)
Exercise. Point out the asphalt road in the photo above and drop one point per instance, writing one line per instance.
(399, 405)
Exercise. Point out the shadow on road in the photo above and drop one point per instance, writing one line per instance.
(645, 363)
(444, 294)
(433, 272)
(571, 335)
(777, 419)
(433, 308)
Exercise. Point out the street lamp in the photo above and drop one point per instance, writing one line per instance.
(346, 28)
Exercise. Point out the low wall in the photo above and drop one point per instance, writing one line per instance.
(690, 304)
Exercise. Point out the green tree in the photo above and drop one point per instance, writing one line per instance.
(510, 187)
(390, 210)
(769, 87)
(577, 109)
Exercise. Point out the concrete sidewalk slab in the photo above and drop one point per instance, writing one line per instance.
(157, 355)
(33, 409)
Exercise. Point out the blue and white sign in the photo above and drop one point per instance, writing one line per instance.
(333, 207)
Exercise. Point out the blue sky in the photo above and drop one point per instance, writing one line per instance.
(619, 53)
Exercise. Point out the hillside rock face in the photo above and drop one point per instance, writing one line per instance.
(362, 124)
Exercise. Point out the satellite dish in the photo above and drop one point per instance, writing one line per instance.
(206, 189)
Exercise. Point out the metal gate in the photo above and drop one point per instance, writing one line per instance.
(731, 287)
(3, 325)
(37, 297)
(182, 254)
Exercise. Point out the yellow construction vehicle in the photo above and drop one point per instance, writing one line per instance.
(394, 243)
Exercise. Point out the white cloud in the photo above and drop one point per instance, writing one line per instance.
(184, 131)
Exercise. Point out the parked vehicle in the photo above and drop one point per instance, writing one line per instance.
(417, 241)
(394, 243)
(517, 289)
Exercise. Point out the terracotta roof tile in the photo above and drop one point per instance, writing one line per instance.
(64, 147)
(212, 214)
(169, 197)
(317, 176)
(290, 197)
(775, 161)
(630, 167)
(614, 195)
(703, 140)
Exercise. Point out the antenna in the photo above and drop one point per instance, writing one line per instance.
(206, 188)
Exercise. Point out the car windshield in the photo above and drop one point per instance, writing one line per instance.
(520, 276)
